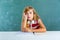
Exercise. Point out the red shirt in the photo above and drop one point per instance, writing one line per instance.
(34, 24)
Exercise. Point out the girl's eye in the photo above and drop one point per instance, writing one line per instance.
(30, 12)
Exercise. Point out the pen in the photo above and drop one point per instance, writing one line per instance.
(33, 32)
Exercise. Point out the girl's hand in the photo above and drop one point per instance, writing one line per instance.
(30, 30)
(25, 16)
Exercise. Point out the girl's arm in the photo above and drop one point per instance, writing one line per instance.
(23, 27)
(42, 29)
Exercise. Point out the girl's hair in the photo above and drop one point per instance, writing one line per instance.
(35, 16)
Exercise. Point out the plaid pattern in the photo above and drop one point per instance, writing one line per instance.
(34, 24)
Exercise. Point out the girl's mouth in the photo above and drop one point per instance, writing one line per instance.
(28, 17)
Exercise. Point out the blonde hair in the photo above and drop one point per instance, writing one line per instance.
(35, 16)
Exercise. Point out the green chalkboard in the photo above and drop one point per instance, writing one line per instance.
(11, 13)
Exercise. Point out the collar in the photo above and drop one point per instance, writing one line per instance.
(29, 22)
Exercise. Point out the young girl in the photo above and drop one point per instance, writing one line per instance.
(31, 21)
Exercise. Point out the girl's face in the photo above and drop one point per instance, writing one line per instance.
(30, 14)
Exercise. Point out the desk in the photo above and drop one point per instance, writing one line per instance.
(49, 35)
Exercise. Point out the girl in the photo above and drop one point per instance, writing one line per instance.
(31, 21)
